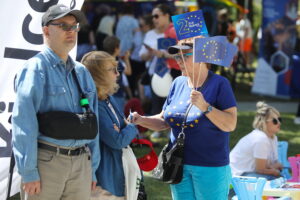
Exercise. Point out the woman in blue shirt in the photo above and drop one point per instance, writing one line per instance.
(206, 173)
(115, 131)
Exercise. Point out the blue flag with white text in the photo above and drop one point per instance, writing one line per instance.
(189, 25)
(161, 68)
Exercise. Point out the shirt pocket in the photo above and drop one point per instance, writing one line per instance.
(55, 90)
(89, 93)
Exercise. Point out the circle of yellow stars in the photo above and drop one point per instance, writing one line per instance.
(197, 18)
(215, 46)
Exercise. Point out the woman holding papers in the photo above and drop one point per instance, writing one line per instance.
(115, 131)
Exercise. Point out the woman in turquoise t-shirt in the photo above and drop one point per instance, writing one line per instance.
(206, 172)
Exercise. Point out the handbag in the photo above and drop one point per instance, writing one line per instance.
(170, 159)
(68, 125)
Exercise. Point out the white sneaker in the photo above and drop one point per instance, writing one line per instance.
(297, 120)
(156, 134)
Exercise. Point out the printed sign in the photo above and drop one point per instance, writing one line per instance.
(189, 25)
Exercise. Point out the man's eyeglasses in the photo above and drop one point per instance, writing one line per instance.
(275, 121)
(185, 56)
(67, 27)
(113, 69)
(156, 16)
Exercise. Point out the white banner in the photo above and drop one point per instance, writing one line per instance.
(265, 80)
(21, 38)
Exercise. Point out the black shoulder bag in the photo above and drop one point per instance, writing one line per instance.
(67, 125)
(170, 161)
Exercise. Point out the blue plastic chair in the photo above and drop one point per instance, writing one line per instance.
(248, 188)
(282, 158)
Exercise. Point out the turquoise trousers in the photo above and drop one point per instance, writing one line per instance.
(203, 183)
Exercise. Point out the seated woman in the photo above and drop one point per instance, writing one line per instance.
(256, 154)
(115, 131)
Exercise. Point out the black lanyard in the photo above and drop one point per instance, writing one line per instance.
(84, 102)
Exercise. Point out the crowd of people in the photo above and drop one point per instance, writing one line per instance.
(120, 66)
(138, 37)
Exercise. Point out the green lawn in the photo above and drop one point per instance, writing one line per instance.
(289, 132)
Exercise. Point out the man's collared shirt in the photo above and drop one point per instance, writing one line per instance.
(46, 84)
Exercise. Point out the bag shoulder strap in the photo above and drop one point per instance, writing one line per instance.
(83, 99)
(181, 134)
(77, 82)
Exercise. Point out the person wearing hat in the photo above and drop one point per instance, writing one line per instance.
(116, 133)
(54, 168)
(206, 171)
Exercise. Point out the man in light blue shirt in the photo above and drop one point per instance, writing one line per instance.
(54, 168)
(125, 29)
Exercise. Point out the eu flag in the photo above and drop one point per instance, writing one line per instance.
(165, 43)
(189, 25)
(161, 68)
(215, 50)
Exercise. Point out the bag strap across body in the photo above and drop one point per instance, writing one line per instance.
(181, 135)
(84, 102)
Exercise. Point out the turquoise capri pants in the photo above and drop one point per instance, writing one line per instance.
(203, 183)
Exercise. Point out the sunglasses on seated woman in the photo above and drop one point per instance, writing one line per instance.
(275, 121)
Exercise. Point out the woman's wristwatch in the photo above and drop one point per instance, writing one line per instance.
(209, 109)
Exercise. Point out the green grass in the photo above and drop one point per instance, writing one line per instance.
(157, 190)
(289, 132)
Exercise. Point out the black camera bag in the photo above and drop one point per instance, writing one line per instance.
(68, 125)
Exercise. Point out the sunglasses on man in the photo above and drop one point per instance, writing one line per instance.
(67, 27)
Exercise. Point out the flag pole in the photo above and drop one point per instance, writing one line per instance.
(11, 172)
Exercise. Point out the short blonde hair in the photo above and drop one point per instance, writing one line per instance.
(263, 113)
(97, 63)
